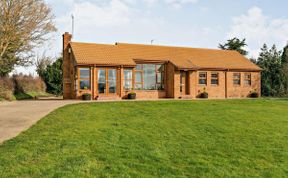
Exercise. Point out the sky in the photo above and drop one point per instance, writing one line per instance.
(191, 23)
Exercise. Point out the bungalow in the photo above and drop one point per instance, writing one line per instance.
(152, 71)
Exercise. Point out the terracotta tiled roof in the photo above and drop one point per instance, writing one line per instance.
(181, 57)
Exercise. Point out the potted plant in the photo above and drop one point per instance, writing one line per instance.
(204, 94)
(132, 95)
(254, 94)
(86, 96)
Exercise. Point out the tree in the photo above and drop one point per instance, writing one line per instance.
(53, 77)
(24, 25)
(235, 44)
(285, 68)
(272, 74)
(41, 65)
(285, 55)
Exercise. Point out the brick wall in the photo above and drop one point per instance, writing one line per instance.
(218, 91)
(66, 66)
(169, 80)
(214, 91)
(147, 94)
(243, 90)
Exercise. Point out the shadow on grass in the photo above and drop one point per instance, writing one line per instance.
(35, 96)
(23, 96)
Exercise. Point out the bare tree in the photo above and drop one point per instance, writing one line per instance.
(41, 63)
(24, 25)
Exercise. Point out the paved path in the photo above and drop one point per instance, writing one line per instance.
(18, 116)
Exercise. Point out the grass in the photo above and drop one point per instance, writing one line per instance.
(29, 95)
(225, 138)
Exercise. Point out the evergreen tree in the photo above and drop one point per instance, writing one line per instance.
(285, 68)
(53, 77)
(235, 44)
(272, 75)
(285, 55)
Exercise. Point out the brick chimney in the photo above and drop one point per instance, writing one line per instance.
(66, 40)
(66, 66)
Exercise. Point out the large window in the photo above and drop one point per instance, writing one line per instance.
(160, 77)
(247, 79)
(127, 79)
(237, 79)
(202, 78)
(84, 78)
(149, 77)
(214, 78)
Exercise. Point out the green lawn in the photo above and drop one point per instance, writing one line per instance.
(223, 138)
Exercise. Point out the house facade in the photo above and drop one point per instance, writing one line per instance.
(151, 71)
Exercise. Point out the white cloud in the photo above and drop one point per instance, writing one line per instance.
(150, 2)
(174, 3)
(86, 13)
(179, 3)
(259, 29)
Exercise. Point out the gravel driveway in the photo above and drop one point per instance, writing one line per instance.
(18, 116)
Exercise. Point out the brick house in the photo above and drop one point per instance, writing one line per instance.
(151, 71)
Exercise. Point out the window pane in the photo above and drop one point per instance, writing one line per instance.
(128, 84)
(101, 75)
(84, 84)
(202, 75)
(236, 82)
(139, 67)
(127, 79)
(247, 82)
(84, 73)
(127, 74)
(138, 77)
(202, 81)
(236, 79)
(159, 68)
(202, 78)
(101, 80)
(112, 80)
(149, 77)
(236, 75)
(159, 77)
(214, 81)
(215, 75)
(247, 79)
(138, 87)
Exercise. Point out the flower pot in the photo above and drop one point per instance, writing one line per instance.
(86, 97)
(204, 95)
(254, 95)
(131, 95)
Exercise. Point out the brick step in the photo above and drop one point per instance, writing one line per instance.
(101, 98)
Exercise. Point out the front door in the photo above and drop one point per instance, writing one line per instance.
(107, 81)
(184, 82)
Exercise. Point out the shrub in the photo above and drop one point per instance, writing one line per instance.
(19, 85)
(6, 88)
(27, 83)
